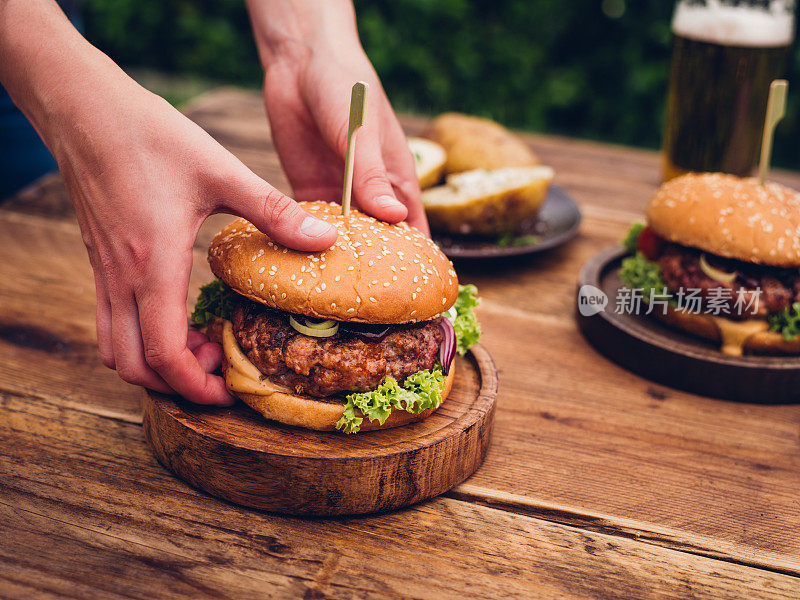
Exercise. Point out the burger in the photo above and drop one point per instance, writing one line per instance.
(719, 255)
(358, 337)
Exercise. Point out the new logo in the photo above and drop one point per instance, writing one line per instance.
(591, 300)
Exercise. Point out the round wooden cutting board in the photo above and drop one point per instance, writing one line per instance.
(649, 348)
(235, 454)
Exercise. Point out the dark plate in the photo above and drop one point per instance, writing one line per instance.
(558, 222)
(650, 348)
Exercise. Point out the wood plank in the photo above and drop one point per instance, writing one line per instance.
(574, 429)
(85, 511)
(664, 461)
(577, 439)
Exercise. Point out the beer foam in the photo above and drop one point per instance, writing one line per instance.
(750, 26)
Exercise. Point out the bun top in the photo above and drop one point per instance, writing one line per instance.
(730, 216)
(476, 143)
(374, 273)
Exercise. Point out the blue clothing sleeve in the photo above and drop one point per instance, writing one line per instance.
(23, 156)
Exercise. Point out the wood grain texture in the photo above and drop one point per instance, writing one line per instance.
(237, 455)
(599, 483)
(87, 512)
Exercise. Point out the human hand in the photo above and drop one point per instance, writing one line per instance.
(143, 178)
(307, 96)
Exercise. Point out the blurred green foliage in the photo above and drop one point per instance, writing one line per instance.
(586, 68)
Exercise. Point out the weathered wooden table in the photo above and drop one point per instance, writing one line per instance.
(599, 484)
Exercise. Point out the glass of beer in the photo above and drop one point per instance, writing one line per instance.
(725, 54)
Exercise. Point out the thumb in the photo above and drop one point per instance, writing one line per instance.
(278, 216)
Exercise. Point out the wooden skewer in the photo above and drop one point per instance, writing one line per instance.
(776, 108)
(358, 103)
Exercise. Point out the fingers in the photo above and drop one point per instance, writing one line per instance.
(129, 357)
(372, 189)
(279, 216)
(161, 301)
(195, 339)
(403, 174)
(313, 168)
(105, 343)
(209, 355)
(416, 211)
(145, 341)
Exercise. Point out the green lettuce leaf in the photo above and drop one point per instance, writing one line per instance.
(639, 273)
(786, 322)
(468, 330)
(510, 240)
(216, 299)
(631, 241)
(419, 392)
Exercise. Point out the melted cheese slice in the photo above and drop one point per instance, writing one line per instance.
(242, 375)
(734, 334)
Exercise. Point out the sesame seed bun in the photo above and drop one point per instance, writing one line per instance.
(730, 216)
(475, 143)
(374, 273)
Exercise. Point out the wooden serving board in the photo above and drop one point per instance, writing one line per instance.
(235, 454)
(672, 357)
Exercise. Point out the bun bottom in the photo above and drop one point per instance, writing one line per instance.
(316, 413)
(321, 415)
(705, 326)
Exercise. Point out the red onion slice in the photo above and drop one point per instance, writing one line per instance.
(370, 333)
(447, 350)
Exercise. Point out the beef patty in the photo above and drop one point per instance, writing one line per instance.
(327, 366)
(680, 269)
